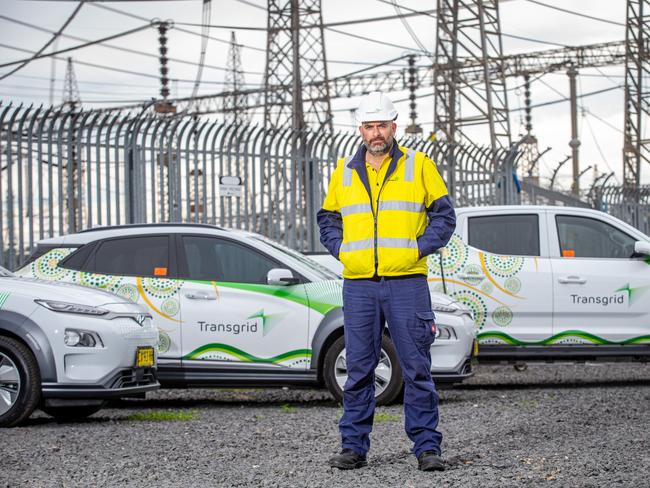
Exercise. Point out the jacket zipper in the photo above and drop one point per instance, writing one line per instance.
(375, 214)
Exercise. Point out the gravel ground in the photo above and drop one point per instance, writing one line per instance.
(552, 425)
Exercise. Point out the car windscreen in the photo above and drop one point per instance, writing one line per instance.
(317, 268)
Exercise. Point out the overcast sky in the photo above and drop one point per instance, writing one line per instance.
(600, 119)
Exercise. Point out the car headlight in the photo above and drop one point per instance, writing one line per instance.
(71, 307)
(437, 307)
(444, 332)
(81, 338)
(453, 308)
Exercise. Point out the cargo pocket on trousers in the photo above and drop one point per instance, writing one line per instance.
(424, 329)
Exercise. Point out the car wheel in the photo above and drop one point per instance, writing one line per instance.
(388, 374)
(20, 382)
(72, 413)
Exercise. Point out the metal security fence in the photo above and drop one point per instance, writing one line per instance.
(62, 172)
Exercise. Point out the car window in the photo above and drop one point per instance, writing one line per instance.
(505, 234)
(212, 259)
(132, 256)
(77, 259)
(583, 237)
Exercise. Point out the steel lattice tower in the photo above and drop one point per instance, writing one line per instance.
(234, 104)
(71, 97)
(295, 59)
(470, 30)
(637, 104)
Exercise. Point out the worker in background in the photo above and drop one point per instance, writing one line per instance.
(386, 210)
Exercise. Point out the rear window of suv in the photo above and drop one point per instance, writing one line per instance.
(516, 234)
(131, 256)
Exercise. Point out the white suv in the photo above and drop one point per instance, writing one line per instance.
(549, 282)
(234, 308)
(67, 349)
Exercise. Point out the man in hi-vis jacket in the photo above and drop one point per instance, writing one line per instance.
(386, 210)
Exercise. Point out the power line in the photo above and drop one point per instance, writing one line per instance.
(43, 88)
(513, 36)
(112, 68)
(566, 99)
(314, 26)
(251, 4)
(383, 43)
(408, 27)
(38, 54)
(223, 41)
(118, 48)
(24, 62)
(573, 12)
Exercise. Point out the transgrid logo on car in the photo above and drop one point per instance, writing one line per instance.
(248, 327)
(603, 300)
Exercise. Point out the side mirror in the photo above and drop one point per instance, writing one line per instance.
(642, 248)
(281, 276)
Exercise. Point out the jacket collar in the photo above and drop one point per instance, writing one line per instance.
(358, 163)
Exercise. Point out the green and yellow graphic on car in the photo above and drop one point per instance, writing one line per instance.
(162, 297)
(502, 289)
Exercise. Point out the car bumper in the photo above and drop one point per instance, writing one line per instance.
(127, 382)
(466, 371)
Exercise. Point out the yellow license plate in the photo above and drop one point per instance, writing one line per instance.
(475, 349)
(144, 357)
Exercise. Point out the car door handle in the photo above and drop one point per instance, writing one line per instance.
(572, 280)
(471, 276)
(200, 296)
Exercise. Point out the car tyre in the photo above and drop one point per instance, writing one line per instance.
(72, 413)
(20, 382)
(388, 384)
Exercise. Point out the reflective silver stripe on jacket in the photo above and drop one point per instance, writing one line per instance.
(356, 208)
(386, 242)
(409, 165)
(401, 205)
(357, 245)
(397, 242)
(347, 172)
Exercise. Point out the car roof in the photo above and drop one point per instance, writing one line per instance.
(97, 233)
(518, 208)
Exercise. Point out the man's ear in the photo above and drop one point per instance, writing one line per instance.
(394, 125)
(360, 131)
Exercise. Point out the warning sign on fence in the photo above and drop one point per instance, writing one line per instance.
(230, 186)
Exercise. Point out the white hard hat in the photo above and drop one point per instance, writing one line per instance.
(375, 106)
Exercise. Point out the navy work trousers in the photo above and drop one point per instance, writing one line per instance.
(404, 303)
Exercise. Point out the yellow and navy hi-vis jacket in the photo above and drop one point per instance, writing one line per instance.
(413, 218)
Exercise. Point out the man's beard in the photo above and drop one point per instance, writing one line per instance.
(379, 149)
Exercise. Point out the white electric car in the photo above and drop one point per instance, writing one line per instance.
(67, 349)
(549, 283)
(234, 308)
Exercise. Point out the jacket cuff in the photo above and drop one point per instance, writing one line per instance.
(337, 249)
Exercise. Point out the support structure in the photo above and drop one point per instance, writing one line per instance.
(71, 98)
(296, 88)
(234, 105)
(413, 130)
(529, 147)
(164, 106)
(71, 103)
(574, 143)
(535, 62)
(636, 144)
(471, 34)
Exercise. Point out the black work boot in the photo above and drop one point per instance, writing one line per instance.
(430, 461)
(348, 459)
